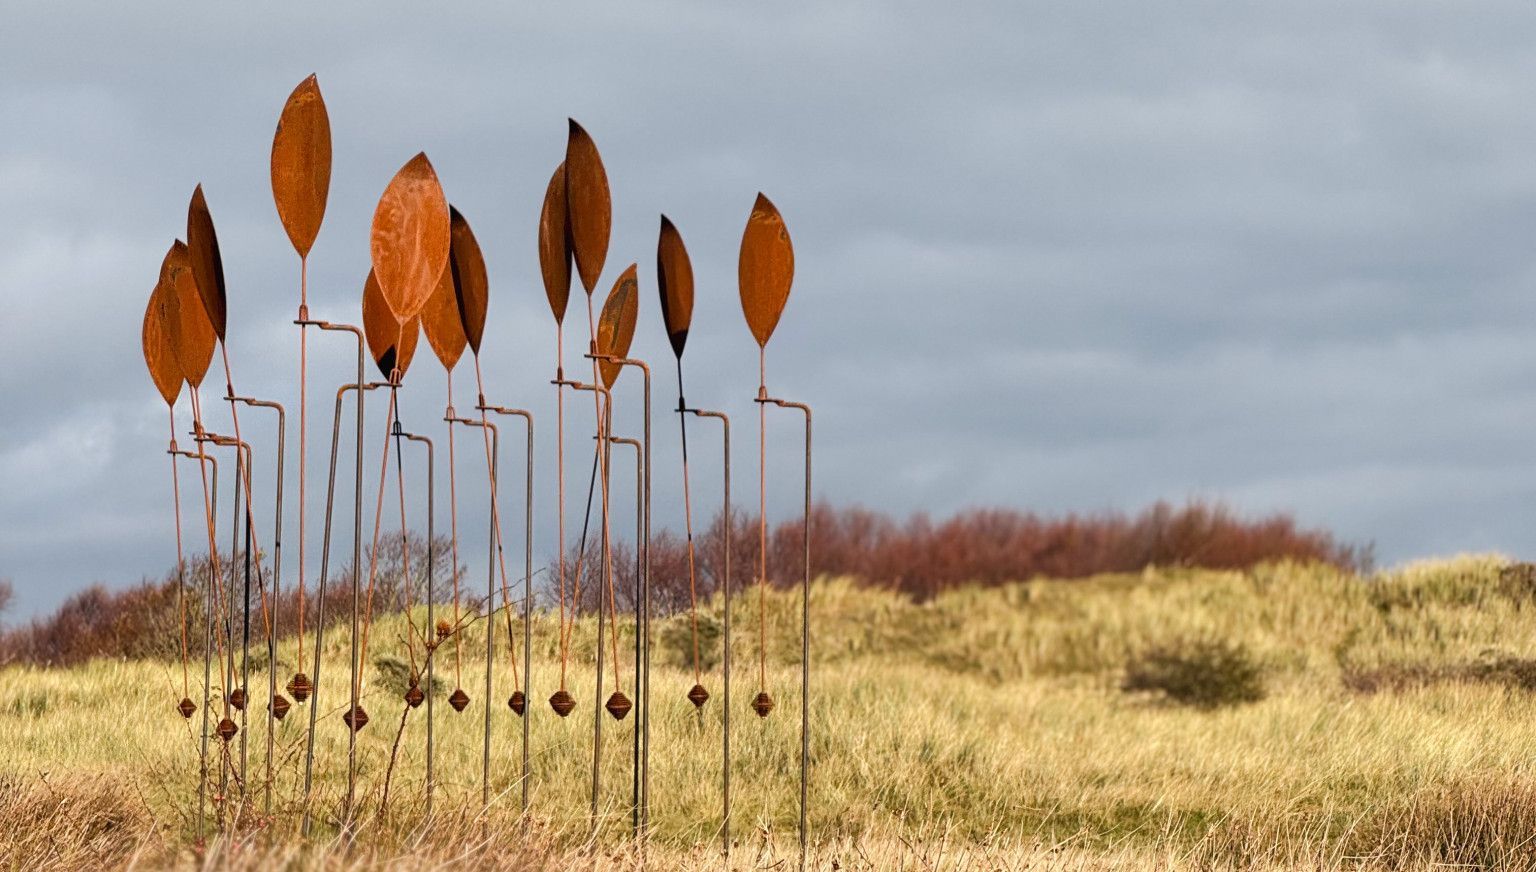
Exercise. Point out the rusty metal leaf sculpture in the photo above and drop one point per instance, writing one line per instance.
(391, 342)
(207, 265)
(192, 337)
(466, 266)
(410, 238)
(159, 356)
(301, 165)
(555, 245)
(674, 281)
(765, 270)
(589, 208)
(443, 324)
(616, 324)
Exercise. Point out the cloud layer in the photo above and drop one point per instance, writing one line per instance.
(1059, 258)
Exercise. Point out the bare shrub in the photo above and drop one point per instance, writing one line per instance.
(1203, 673)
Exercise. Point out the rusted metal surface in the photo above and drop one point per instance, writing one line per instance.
(562, 702)
(589, 208)
(441, 321)
(518, 702)
(765, 269)
(410, 238)
(555, 245)
(227, 729)
(192, 336)
(391, 342)
(674, 282)
(459, 700)
(279, 708)
(301, 165)
(616, 324)
(618, 704)
(187, 707)
(762, 704)
(159, 355)
(414, 697)
(355, 718)
(300, 686)
(466, 265)
(207, 266)
(698, 695)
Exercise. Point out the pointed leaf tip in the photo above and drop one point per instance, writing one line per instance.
(207, 264)
(674, 282)
(471, 286)
(589, 206)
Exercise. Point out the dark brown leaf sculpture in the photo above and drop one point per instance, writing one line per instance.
(466, 266)
(207, 266)
(555, 245)
(674, 281)
(588, 205)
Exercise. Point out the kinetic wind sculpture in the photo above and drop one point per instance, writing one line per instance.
(674, 284)
(765, 270)
(428, 275)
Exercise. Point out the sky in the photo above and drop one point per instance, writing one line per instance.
(1061, 257)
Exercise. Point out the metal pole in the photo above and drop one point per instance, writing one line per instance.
(725, 742)
(634, 809)
(527, 417)
(643, 681)
(431, 651)
(202, 782)
(490, 624)
(273, 705)
(357, 544)
(805, 627)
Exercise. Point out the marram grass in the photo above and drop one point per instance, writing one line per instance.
(983, 730)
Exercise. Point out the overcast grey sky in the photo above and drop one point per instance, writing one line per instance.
(1062, 257)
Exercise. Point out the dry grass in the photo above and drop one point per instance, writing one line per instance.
(983, 730)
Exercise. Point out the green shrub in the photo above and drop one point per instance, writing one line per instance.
(1202, 673)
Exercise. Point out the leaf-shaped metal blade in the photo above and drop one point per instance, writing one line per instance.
(192, 336)
(466, 265)
(207, 265)
(588, 206)
(443, 324)
(765, 270)
(674, 281)
(301, 165)
(555, 245)
(616, 324)
(159, 356)
(392, 343)
(409, 242)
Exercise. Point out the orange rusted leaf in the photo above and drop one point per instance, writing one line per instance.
(159, 356)
(674, 281)
(470, 285)
(301, 164)
(765, 270)
(588, 205)
(410, 238)
(192, 337)
(207, 266)
(555, 245)
(616, 324)
(443, 324)
(392, 343)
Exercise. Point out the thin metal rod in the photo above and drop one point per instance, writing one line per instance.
(431, 599)
(725, 712)
(277, 575)
(805, 627)
(202, 781)
(490, 619)
(527, 688)
(643, 681)
(357, 544)
(634, 809)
